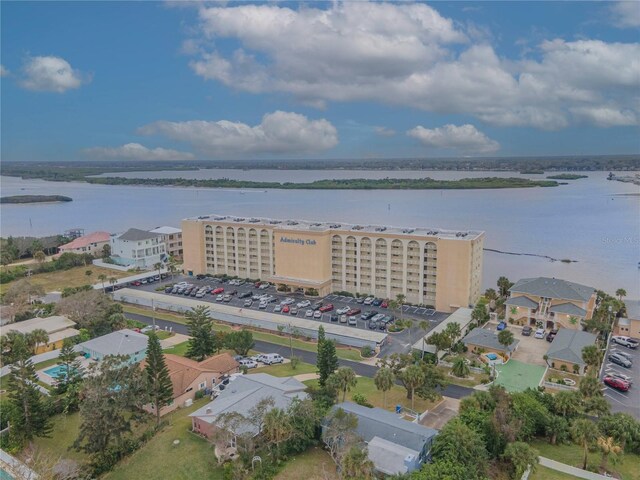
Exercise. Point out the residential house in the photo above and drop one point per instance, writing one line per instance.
(462, 316)
(565, 352)
(57, 327)
(138, 248)
(482, 340)
(241, 395)
(629, 326)
(395, 446)
(91, 244)
(121, 342)
(557, 303)
(189, 377)
(172, 239)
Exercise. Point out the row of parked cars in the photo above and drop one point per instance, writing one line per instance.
(264, 358)
(613, 379)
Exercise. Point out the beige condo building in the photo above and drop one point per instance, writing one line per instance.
(433, 267)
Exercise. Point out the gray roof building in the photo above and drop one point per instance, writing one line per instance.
(553, 288)
(488, 339)
(633, 309)
(521, 301)
(121, 342)
(568, 344)
(136, 235)
(245, 391)
(568, 309)
(395, 445)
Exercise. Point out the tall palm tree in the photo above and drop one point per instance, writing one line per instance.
(345, 378)
(37, 337)
(591, 356)
(621, 292)
(400, 300)
(158, 267)
(102, 277)
(503, 285)
(423, 325)
(412, 377)
(583, 432)
(608, 446)
(112, 282)
(384, 380)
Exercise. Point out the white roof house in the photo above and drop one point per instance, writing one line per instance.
(461, 316)
(122, 342)
(166, 230)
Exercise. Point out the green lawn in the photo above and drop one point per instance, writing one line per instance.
(396, 396)
(179, 349)
(47, 363)
(343, 352)
(192, 458)
(314, 464)
(285, 370)
(544, 473)
(64, 433)
(517, 376)
(571, 454)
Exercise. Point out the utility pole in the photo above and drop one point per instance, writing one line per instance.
(291, 341)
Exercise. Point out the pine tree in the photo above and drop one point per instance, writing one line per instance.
(201, 343)
(157, 375)
(29, 418)
(320, 359)
(72, 371)
(328, 361)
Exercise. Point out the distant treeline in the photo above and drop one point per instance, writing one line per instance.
(35, 199)
(567, 176)
(346, 184)
(77, 171)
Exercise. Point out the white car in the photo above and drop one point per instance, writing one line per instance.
(262, 305)
(317, 314)
(540, 333)
(342, 311)
(625, 341)
(219, 298)
(304, 304)
(287, 301)
(369, 300)
(277, 308)
(308, 313)
(264, 286)
(247, 362)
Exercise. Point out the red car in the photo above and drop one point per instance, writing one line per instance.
(136, 283)
(285, 309)
(384, 304)
(353, 311)
(326, 308)
(616, 383)
(217, 291)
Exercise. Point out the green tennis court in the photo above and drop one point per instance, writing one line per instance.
(517, 376)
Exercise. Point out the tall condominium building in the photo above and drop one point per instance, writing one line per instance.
(430, 267)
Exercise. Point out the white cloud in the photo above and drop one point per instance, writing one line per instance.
(384, 132)
(3, 71)
(50, 74)
(278, 133)
(464, 138)
(135, 151)
(402, 54)
(626, 14)
(606, 117)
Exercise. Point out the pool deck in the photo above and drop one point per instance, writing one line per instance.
(49, 380)
(516, 376)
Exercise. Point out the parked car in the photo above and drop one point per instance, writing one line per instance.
(308, 313)
(552, 334)
(620, 360)
(360, 300)
(385, 304)
(248, 363)
(277, 308)
(368, 315)
(616, 383)
(304, 304)
(244, 295)
(501, 326)
(626, 355)
(288, 301)
(526, 331)
(378, 317)
(217, 291)
(248, 302)
(317, 314)
(168, 289)
(285, 309)
(343, 319)
(353, 311)
(326, 308)
(334, 318)
(353, 321)
(342, 310)
(373, 326)
(376, 302)
(621, 376)
(264, 286)
(369, 300)
(227, 298)
(219, 298)
(540, 333)
(271, 358)
(256, 297)
(317, 305)
(625, 341)
(294, 311)
(262, 305)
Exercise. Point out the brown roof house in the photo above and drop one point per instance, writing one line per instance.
(189, 377)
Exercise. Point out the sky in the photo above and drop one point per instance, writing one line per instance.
(317, 80)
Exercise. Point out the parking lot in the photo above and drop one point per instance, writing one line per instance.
(399, 342)
(627, 402)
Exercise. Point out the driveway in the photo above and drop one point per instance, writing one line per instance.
(441, 413)
(626, 402)
(530, 350)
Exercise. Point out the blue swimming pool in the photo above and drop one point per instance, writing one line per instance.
(492, 356)
(4, 475)
(56, 371)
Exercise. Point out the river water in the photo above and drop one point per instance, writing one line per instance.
(592, 220)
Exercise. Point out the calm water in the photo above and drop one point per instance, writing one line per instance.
(588, 220)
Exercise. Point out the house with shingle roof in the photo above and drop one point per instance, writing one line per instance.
(92, 243)
(394, 445)
(566, 350)
(629, 325)
(483, 340)
(188, 377)
(557, 303)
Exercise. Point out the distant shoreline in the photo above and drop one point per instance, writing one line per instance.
(23, 199)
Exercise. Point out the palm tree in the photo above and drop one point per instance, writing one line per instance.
(423, 325)
(343, 380)
(583, 432)
(460, 367)
(171, 266)
(566, 403)
(112, 282)
(384, 380)
(158, 267)
(102, 277)
(88, 273)
(400, 299)
(37, 337)
(621, 292)
(453, 331)
(608, 446)
(412, 377)
(503, 285)
(505, 337)
(591, 356)
(277, 428)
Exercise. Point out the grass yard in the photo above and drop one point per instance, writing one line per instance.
(192, 458)
(342, 352)
(64, 433)
(396, 396)
(162, 334)
(571, 454)
(285, 370)
(544, 473)
(471, 381)
(74, 277)
(314, 464)
(517, 376)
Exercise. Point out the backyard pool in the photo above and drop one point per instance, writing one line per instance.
(56, 371)
(491, 356)
(4, 475)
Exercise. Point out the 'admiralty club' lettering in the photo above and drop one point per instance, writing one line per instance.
(298, 241)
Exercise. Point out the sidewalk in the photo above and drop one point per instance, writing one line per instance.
(173, 340)
(569, 470)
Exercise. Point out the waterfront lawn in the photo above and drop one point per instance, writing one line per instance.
(74, 277)
(627, 466)
(396, 396)
(314, 464)
(191, 458)
(285, 370)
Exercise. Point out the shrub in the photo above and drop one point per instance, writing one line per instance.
(563, 368)
(312, 292)
(360, 399)
(576, 368)
(366, 351)
(342, 293)
(200, 393)
(295, 361)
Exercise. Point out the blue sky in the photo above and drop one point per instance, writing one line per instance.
(156, 81)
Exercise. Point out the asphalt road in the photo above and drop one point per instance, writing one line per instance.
(626, 402)
(452, 391)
